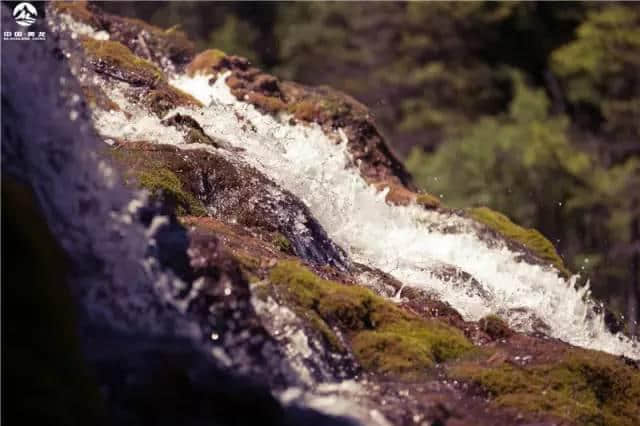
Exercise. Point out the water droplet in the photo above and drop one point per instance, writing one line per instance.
(215, 336)
(227, 291)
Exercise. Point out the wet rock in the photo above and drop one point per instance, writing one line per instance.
(169, 49)
(322, 105)
(193, 130)
(236, 193)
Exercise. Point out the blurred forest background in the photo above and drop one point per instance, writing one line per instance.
(529, 108)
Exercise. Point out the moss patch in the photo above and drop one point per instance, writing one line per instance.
(384, 338)
(319, 109)
(205, 62)
(164, 98)
(586, 387)
(427, 200)
(495, 327)
(530, 238)
(157, 178)
(116, 60)
(267, 104)
(281, 243)
(162, 182)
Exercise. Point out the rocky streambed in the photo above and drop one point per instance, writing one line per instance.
(203, 243)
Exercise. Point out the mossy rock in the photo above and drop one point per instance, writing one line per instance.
(163, 183)
(116, 60)
(531, 239)
(384, 338)
(585, 387)
(495, 327)
(158, 179)
(427, 200)
(164, 98)
(319, 108)
(205, 62)
(267, 104)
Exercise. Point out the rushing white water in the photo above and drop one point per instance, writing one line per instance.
(405, 241)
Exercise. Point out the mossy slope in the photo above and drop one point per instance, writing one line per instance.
(585, 387)
(383, 337)
(531, 239)
(117, 60)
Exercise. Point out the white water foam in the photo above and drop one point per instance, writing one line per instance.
(405, 241)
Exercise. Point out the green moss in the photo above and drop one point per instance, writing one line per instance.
(530, 238)
(384, 338)
(164, 183)
(317, 107)
(281, 243)
(495, 327)
(334, 106)
(205, 62)
(116, 59)
(250, 267)
(427, 200)
(164, 98)
(268, 104)
(589, 388)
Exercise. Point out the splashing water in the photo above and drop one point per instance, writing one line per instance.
(408, 242)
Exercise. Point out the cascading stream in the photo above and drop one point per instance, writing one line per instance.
(405, 241)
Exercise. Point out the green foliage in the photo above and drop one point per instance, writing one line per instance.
(529, 238)
(517, 162)
(384, 338)
(422, 75)
(601, 66)
(589, 388)
(236, 36)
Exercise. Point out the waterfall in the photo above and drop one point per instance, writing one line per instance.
(408, 242)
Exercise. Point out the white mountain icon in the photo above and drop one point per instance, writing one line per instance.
(25, 14)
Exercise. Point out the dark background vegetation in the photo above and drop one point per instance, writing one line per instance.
(529, 108)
